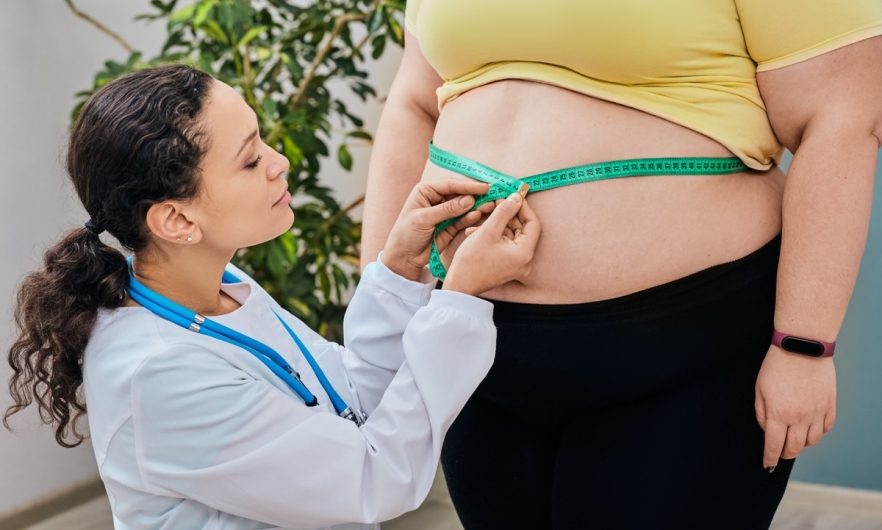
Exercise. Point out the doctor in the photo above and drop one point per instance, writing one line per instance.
(209, 405)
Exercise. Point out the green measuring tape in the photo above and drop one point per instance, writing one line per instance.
(502, 185)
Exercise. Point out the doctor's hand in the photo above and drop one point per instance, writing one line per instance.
(497, 252)
(410, 240)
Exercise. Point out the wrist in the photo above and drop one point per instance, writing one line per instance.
(401, 266)
(810, 347)
(453, 284)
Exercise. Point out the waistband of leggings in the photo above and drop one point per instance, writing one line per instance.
(700, 287)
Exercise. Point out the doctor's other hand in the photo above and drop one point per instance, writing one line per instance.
(430, 203)
(498, 251)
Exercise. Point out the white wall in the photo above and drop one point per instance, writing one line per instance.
(47, 56)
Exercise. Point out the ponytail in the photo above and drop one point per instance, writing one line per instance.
(135, 143)
(55, 312)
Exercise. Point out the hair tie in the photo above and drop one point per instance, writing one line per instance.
(94, 227)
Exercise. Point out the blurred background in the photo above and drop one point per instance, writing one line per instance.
(50, 54)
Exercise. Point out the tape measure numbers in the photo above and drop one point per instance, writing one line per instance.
(502, 185)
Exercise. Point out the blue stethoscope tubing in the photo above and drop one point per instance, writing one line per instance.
(186, 318)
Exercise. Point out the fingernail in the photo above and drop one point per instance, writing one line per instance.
(770, 469)
(466, 200)
(515, 198)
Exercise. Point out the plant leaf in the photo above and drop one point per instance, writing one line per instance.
(250, 35)
(344, 157)
(214, 31)
(362, 135)
(203, 9)
(182, 15)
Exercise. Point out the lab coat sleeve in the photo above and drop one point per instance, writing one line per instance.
(206, 430)
(373, 328)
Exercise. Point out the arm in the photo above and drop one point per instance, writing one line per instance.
(374, 325)
(389, 294)
(208, 431)
(401, 146)
(828, 112)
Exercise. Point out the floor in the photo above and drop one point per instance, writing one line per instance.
(794, 514)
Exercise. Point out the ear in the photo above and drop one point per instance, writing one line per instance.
(168, 220)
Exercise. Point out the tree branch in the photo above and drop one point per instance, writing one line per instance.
(345, 211)
(320, 57)
(101, 27)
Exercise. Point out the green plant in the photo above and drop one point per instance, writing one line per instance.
(281, 55)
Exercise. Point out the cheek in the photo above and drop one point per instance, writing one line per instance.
(234, 202)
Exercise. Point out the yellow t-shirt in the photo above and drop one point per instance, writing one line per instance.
(693, 62)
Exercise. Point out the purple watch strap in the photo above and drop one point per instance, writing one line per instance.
(795, 344)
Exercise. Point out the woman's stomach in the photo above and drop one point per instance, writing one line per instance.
(606, 239)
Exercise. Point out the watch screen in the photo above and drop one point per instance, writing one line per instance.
(805, 347)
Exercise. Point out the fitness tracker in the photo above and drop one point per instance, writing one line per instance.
(810, 347)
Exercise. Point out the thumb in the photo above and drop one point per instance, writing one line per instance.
(502, 215)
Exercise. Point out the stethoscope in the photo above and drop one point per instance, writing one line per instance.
(180, 315)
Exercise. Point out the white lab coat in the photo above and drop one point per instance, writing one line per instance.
(190, 432)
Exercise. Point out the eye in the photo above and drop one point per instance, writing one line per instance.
(254, 164)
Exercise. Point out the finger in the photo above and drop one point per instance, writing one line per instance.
(505, 210)
(436, 190)
(515, 224)
(829, 421)
(447, 235)
(815, 432)
(776, 435)
(760, 406)
(486, 208)
(530, 226)
(508, 233)
(470, 230)
(795, 443)
(430, 216)
(465, 221)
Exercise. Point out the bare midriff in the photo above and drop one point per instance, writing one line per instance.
(606, 239)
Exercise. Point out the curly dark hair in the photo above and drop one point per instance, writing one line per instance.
(137, 142)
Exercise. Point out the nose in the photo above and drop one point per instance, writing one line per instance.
(278, 166)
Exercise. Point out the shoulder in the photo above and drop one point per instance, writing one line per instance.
(121, 342)
(128, 339)
(780, 33)
(411, 13)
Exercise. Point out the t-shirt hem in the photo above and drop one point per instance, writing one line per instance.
(410, 25)
(822, 48)
(767, 161)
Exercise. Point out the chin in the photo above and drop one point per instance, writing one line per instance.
(283, 227)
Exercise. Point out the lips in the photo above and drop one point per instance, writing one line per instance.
(284, 199)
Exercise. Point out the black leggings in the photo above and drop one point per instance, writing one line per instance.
(632, 413)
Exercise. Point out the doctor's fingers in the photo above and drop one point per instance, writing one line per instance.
(466, 222)
(429, 216)
(434, 192)
(530, 227)
(495, 225)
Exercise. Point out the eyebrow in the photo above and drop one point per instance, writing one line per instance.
(245, 143)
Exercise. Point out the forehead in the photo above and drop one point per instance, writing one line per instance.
(226, 119)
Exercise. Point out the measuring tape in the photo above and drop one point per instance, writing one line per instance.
(502, 185)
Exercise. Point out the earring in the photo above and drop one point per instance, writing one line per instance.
(179, 239)
(189, 239)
